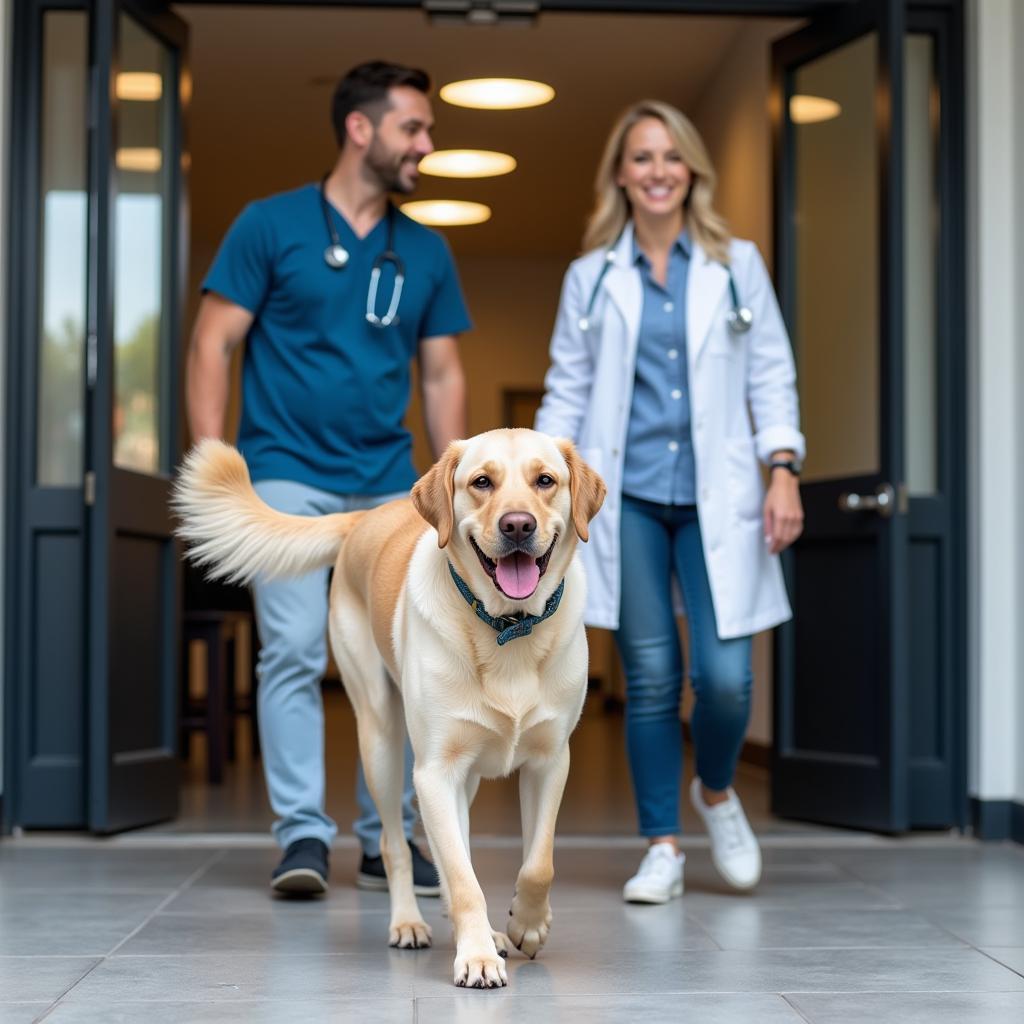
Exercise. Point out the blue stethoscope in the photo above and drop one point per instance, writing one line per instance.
(739, 319)
(336, 256)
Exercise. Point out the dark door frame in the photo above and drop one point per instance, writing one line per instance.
(22, 281)
(932, 791)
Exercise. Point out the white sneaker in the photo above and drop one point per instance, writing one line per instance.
(660, 877)
(734, 849)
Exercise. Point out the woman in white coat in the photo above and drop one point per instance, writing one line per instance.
(672, 372)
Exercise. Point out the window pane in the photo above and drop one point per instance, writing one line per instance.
(921, 264)
(64, 188)
(836, 233)
(140, 301)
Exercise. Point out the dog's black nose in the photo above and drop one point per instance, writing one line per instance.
(517, 526)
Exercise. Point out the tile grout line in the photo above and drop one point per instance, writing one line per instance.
(703, 927)
(198, 873)
(796, 1009)
(869, 886)
(495, 841)
(1012, 970)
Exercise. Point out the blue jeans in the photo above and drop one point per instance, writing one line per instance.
(657, 542)
(291, 616)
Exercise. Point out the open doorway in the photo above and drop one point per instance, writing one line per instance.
(262, 78)
(870, 678)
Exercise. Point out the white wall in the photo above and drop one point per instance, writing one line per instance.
(995, 81)
(1017, 106)
(5, 42)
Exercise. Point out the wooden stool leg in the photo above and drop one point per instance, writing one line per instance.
(229, 690)
(254, 682)
(216, 702)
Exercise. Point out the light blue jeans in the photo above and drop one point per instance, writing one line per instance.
(291, 616)
(659, 541)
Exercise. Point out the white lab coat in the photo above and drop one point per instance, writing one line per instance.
(743, 407)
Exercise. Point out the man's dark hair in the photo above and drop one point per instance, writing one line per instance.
(365, 88)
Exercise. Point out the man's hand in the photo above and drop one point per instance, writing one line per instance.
(443, 385)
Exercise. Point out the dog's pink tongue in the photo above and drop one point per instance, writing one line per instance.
(518, 575)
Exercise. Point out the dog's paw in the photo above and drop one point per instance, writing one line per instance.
(410, 935)
(480, 970)
(502, 943)
(528, 927)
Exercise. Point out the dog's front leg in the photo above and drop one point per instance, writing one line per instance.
(540, 794)
(477, 963)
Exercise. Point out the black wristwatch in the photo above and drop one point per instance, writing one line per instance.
(791, 464)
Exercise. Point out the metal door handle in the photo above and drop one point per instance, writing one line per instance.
(883, 501)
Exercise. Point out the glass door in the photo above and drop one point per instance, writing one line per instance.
(842, 686)
(136, 238)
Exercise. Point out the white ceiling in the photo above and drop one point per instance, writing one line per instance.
(263, 78)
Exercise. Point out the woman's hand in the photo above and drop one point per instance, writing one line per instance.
(783, 511)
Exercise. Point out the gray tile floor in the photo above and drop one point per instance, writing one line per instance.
(162, 927)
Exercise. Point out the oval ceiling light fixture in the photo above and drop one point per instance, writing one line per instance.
(467, 163)
(139, 85)
(446, 213)
(497, 93)
(812, 109)
(139, 158)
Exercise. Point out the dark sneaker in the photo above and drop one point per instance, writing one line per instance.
(425, 882)
(303, 869)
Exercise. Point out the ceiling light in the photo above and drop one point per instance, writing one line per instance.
(811, 109)
(446, 212)
(497, 93)
(139, 85)
(140, 158)
(467, 163)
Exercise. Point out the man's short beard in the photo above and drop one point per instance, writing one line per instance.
(386, 168)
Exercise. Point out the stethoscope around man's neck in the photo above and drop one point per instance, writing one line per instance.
(739, 319)
(336, 256)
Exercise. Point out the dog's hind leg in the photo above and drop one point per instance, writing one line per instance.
(382, 749)
(540, 794)
(380, 723)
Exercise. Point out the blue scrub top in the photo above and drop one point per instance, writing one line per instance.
(324, 393)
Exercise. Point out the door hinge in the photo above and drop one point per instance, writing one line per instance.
(89, 487)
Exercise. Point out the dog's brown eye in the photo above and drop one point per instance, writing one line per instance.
(482, 483)
(545, 481)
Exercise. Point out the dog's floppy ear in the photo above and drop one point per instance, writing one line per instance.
(434, 493)
(586, 489)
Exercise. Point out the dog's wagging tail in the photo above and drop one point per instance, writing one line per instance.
(229, 529)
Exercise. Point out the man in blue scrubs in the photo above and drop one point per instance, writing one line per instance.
(324, 395)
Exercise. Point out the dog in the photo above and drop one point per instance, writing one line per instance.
(456, 614)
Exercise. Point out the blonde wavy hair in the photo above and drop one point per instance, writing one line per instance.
(612, 208)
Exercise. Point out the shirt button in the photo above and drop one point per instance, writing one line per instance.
(673, 446)
(668, 307)
(676, 393)
(673, 353)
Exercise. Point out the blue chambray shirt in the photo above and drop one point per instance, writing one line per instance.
(658, 463)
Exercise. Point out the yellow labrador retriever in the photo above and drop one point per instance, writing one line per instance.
(464, 606)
